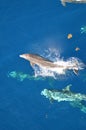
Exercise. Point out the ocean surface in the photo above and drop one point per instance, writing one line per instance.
(40, 27)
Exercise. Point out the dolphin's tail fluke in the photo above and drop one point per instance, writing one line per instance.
(82, 66)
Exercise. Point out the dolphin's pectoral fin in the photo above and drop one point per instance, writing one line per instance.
(79, 105)
(75, 104)
(75, 71)
(32, 64)
(51, 100)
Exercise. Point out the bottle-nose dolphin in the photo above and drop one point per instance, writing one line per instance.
(75, 99)
(63, 95)
(50, 65)
(73, 1)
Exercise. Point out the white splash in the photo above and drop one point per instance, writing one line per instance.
(69, 64)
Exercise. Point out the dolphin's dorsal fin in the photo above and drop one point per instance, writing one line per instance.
(67, 88)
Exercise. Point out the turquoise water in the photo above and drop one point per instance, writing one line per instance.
(35, 27)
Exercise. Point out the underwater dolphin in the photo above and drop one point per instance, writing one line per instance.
(72, 1)
(65, 94)
(47, 64)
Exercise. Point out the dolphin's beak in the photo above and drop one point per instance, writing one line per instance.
(22, 56)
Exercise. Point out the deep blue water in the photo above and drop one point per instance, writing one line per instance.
(34, 26)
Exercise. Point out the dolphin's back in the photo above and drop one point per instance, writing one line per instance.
(41, 61)
(36, 56)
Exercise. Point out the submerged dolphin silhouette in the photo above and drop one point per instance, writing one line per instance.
(65, 94)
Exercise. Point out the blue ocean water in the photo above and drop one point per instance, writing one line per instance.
(33, 27)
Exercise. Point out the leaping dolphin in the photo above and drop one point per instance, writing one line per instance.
(48, 64)
(72, 1)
